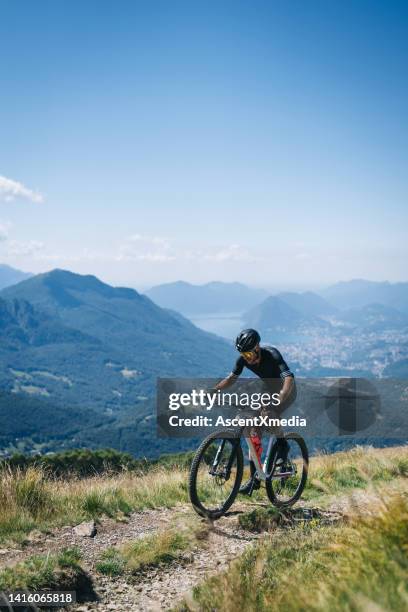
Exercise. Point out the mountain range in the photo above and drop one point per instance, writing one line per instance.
(358, 293)
(296, 312)
(83, 344)
(214, 297)
(84, 356)
(371, 305)
(122, 321)
(288, 312)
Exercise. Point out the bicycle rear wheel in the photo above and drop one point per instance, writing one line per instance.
(286, 483)
(216, 474)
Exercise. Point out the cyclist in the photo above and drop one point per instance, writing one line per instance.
(267, 363)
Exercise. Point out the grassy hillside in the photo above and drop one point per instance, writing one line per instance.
(348, 554)
(32, 497)
(357, 561)
(355, 564)
(359, 566)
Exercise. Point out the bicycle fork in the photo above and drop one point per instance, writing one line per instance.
(231, 459)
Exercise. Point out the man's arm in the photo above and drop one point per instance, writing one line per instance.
(287, 389)
(226, 382)
(288, 386)
(231, 378)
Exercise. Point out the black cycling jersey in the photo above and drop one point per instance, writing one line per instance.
(272, 365)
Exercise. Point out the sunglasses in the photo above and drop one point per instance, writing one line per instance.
(249, 354)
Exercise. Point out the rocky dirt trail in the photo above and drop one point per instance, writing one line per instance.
(154, 589)
(162, 587)
(109, 533)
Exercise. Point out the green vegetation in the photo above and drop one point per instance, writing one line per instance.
(41, 571)
(76, 462)
(159, 548)
(260, 519)
(314, 565)
(84, 462)
(39, 419)
(111, 563)
(350, 565)
(71, 340)
(358, 467)
(359, 566)
(30, 500)
(33, 498)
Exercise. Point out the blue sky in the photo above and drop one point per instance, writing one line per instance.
(146, 142)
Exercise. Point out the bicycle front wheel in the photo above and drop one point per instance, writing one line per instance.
(288, 479)
(216, 474)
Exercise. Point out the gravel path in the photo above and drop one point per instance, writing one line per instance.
(161, 587)
(110, 533)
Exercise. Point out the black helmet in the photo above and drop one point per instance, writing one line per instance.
(247, 340)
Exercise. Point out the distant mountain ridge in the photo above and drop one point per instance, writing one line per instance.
(273, 313)
(300, 317)
(358, 293)
(211, 297)
(11, 276)
(289, 311)
(308, 303)
(375, 317)
(125, 322)
(289, 308)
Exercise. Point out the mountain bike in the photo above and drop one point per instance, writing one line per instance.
(218, 465)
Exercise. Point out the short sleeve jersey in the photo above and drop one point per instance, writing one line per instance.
(272, 365)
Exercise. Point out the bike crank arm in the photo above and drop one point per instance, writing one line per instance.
(282, 475)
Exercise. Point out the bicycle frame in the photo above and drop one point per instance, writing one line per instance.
(261, 472)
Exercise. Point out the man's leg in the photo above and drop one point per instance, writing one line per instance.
(253, 482)
(283, 446)
(283, 450)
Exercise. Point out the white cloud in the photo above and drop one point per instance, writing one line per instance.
(146, 248)
(20, 248)
(156, 249)
(233, 252)
(9, 190)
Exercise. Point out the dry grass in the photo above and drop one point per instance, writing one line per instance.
(358, 467)
(158, 548)
(355, 567)
(28, 499)
(32, 500)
